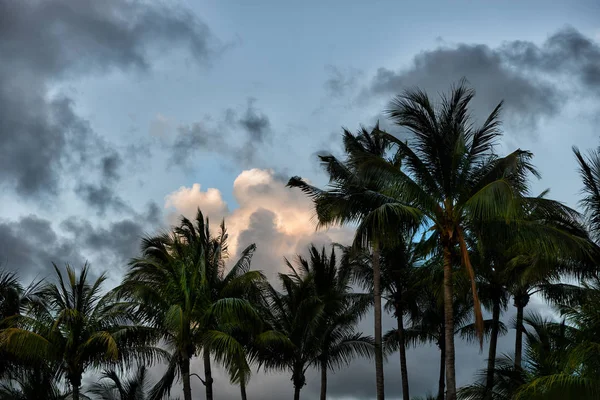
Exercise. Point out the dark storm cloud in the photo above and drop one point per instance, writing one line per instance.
(256, 124)
(113, 245)
(110, 166)
(196, 137)
(101, 198)
(235, 137)
(44, 42)
(515, 72)
(565, 52)
(526, 100)
(30, 244)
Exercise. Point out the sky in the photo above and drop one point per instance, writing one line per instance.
(118, 116)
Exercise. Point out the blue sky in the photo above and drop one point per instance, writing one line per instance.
(111, 111)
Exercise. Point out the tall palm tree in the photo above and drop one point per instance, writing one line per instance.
(343, 309)
(312, 322)
(428, 325)
(111, 386)
(400, 281)
(295, 314)
(351, 199)
(182, 292)
(74, 325)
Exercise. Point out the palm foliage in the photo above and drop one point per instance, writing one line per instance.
(444, 228)
(73, 324)
(314, 317)
(182, 292)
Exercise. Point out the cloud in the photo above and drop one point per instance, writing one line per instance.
(30, 244)
(341, 82)
(193, 138)
(567, 52)
(256, 124)
(526, 99)
(111, 246)
(40, 131)
(101, 198)
(278, 219)
(186, 201)
(110, 165)
(238, 138)
(522, 74)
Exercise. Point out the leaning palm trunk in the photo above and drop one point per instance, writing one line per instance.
(378, 333)
(449, 326)
(402, 345)
(489, 384)
(208, 380)
(323, 380)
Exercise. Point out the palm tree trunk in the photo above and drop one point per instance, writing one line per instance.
(297, 392)
(519, 337)
(208, 380)
(185, 377)
(243, 390)
(442, 379)
(75, 387)
(323, 380)
(378, 333)
(449, 325)
(489, 384)
(403, 365)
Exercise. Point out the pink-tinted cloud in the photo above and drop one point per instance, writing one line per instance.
(278, 219)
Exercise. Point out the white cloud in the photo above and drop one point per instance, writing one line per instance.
(278, 219)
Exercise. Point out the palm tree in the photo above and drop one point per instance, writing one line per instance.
(295, 315)
(111, 386)
(73, 324)
(589, 170)
(183, 293)
(428, 325)
(554, 366)
(353, 200)
(491, 267)
(400, 281)
(343, 309)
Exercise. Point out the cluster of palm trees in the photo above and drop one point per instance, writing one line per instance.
(445, 229)
(177, 301)
(452, 228)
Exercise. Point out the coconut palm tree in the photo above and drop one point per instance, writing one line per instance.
(182, 291)
(295, 314)
(554, 367)
(400, 280)
(38, 383)
(343, 309)
(73, 324)
(351, 199)
(428, 325)
(311, 322)
(110, 386)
